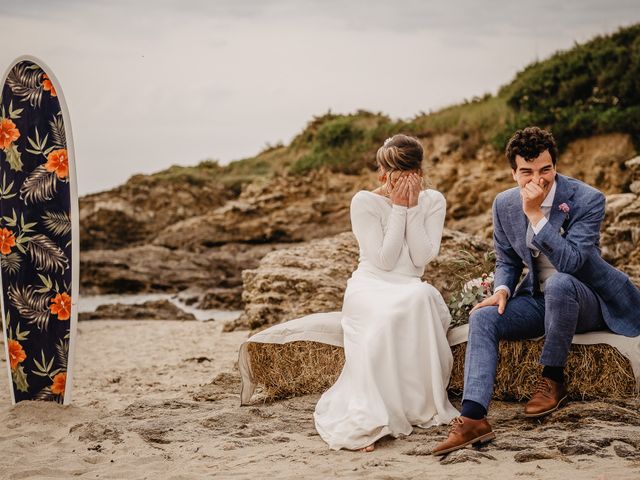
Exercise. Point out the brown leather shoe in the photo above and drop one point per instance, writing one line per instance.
(546, 398)
(465, 431)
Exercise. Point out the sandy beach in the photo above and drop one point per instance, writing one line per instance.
(159, 399)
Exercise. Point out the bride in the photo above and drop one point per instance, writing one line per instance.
(397, 358)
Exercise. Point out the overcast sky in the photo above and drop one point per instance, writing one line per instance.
(150, 84)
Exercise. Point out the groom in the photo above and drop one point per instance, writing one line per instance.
(550, 224)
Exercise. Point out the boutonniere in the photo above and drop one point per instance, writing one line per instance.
(564, 208)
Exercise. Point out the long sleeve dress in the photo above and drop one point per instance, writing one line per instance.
(397, 358)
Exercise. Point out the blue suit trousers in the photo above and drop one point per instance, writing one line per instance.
(567, 306)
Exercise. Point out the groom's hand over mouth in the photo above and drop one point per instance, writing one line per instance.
(533, 195)
(499, 298)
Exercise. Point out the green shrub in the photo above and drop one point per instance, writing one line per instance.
(593, 88)
(344, 143)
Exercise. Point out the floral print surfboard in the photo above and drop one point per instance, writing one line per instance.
(39, 242)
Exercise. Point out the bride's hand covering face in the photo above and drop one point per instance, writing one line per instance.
(400, 192)
(406, 189)
(415, 186)
(400, 169)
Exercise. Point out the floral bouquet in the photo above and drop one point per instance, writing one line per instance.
(472, 293)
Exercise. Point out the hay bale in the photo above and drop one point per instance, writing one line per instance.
(592, 371)
(300, 368)
(296, 368)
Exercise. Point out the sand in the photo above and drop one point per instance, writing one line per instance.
(159, 400)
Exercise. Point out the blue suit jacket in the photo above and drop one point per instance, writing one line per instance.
(571, 242)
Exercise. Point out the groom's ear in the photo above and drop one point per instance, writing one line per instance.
(513, 174)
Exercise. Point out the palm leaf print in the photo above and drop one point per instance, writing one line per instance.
(11, 263)
(47, 394)
(57, 223)
(40, 186)
(30, 305)
(25, 80)
(57, 132)
(46, 255)
(62, 352)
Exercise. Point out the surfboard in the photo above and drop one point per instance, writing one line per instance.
(39, 233)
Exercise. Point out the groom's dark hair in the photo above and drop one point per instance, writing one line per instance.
(529, 143)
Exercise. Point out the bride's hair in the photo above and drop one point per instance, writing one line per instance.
(400, 152)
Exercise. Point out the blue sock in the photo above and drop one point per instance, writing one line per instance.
(473, 410)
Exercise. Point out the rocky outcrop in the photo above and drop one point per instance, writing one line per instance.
(284, 208)
(621, 231)
(183, 229)
(158, 269)
(151, 310)
(221, 299)
(133, 213)
(312, 277)
(293, 282)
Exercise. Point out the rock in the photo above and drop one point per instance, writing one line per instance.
(600, 161)
(537, 454)
(133, 213)
(633, 164)
(620, 239)
(296, 281)
(286, 208)
(616, 203)
(635, 187)
(465, 455)
(312, 277)
(222, 298)
(158, 269)
(151, 310)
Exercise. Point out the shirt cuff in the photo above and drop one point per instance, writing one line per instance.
(503, 287)
(536, 229)
(400, 208)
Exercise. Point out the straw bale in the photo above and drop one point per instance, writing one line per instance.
(300, 368)
(592, 371)
(296, 368)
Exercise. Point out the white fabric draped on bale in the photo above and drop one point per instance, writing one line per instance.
(325, 328)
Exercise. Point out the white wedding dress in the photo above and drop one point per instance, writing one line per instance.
(398, 361)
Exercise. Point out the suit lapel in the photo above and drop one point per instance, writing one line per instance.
(564, 194)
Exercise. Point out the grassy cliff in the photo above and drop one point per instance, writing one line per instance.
(591, 89)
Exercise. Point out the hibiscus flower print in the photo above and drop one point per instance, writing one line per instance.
(16, 354)
(7, 240)
(59, 382)
(58, 162)
(8, 133)
(61, 306)
(48, 86)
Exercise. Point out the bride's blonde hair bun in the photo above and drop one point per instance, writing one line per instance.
(400, 152)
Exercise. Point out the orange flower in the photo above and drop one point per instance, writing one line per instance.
(48, 86)
(16, 354)
(8, 133)
(61, 306)
(59, 382)
(7, 240)
(58, 162)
